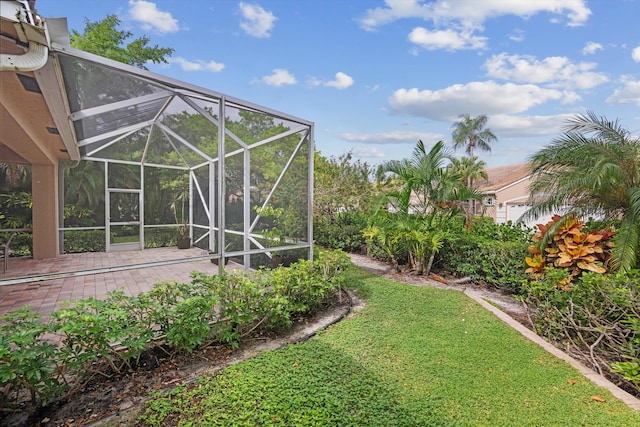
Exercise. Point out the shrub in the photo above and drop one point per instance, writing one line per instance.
(598, 317)
(569, 246)
(27, 362)
(343, 232)
(493, 253)
(160, 237)
(84, 241)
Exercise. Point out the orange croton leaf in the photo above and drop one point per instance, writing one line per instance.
(536, 261)
(564, 260)
(592, 238)
(591, 266)
(571, 382)
(597, 398)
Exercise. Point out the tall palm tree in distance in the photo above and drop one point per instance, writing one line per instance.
(470, 132)
(594, 170)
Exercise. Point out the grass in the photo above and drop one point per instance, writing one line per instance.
(413, 357)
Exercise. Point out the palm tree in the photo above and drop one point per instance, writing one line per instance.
(425, 177)
(470, 170)
(594, 169)
(470, 132)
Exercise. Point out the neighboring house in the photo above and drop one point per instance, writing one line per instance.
(505, 194)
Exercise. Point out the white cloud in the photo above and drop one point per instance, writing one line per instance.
(507, 125)
(635, 54)
(517, 35)
(279, 77)
(576, 11)
(368, 153)
(256, 22)
(151, 18)
(187, 65)
(553, 71)
(342, 81)
(446, 39)
(591, 48)
(473, 98)
(628, 94)
(395, 137)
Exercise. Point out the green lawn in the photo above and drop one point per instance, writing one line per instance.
(414, 356)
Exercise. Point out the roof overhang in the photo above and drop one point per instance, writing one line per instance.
(33, 107)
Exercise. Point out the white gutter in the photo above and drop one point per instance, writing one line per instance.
(35, 58)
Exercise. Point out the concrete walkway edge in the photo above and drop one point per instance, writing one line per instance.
(628, 399)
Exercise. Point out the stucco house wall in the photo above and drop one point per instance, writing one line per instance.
(505, 194)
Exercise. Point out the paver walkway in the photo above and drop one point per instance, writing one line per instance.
(46, 284)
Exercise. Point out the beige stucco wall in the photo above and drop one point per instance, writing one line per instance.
(514, 193)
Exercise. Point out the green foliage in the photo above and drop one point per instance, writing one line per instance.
(423, 184)
(84, 241)
(102, 38)
(16, 208)
(486, 252)
(343, 232)
(21, 244)
(598, 315)
(489, 252)
(342, 186)
(160, 237)
(28, 363)
(119, 329)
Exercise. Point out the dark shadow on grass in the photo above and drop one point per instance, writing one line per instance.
(303, 384)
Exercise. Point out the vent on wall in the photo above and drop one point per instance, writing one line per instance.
(29, 83)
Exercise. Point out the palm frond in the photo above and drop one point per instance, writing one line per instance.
(624, 255)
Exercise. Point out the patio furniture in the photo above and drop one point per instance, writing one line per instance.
(5, 250)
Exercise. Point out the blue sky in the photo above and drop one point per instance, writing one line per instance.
(377, 76)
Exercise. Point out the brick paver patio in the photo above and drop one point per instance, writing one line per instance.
(46, 284)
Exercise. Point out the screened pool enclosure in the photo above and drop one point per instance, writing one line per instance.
(163, 160)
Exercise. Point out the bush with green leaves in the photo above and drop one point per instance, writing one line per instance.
(344, 231)
(78, 241)
(160, 237)
(28, 363)
(492, 253)
(597, 317)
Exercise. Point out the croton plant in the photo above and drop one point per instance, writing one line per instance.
(571, 248)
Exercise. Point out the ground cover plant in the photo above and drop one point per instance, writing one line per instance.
(412, 356)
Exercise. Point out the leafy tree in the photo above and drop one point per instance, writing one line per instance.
(341, 185)
(592, 169)
(104, 39)
(471, 132)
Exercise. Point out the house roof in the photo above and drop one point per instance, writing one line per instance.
(503, 176)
